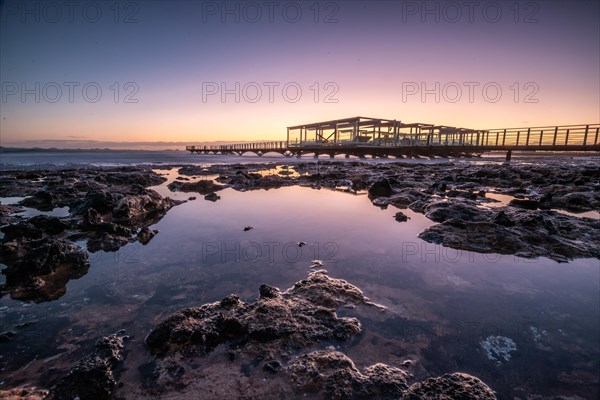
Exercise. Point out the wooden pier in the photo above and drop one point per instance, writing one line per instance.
(361, 137)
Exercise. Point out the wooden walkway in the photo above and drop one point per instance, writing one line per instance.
(417, 140)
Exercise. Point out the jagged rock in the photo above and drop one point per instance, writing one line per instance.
(212, 197)
(48, 224)
(334, 374)
(41, 200)
(6, 336)
(524, 203)
(577, 201)
(380, 188)
(131, 210)
(92, 378)
(101, 201)
(91, 218)
(24, 393)
(502, 219)
(457, 386)
(273, 366)
(202, 187)
(146, 234)
(534, 234)
(38, 270)
(21, 230)
(443, 211)
(400, 217)
(108, 242)
(298, 317)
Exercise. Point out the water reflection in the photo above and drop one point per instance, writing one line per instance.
(442, 303)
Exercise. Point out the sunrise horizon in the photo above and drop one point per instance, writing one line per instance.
(219, 72)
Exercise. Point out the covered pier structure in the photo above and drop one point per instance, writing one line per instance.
(376, 137)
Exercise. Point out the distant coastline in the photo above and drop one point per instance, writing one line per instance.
(55, 149)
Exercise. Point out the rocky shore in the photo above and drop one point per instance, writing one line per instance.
(292, 335)
(280, 330)
(107, 209)
(540, 220)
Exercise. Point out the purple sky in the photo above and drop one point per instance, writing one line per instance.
(192, 71)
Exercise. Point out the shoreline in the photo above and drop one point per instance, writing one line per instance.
(455, 200)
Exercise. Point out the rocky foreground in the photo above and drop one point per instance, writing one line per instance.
(107, 208)
(282, 330)
(285, 333)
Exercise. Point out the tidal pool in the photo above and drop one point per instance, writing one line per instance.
(446, 308)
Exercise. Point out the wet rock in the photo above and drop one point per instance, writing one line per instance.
(41, 200)
(457, 386)
(147, 206)
(577, 202)
(38, 270)
(107, 242)
(48, 224)
(463, 194)
(534, 234)
(380, 188)
(24, 230)
(400, 217)
(24, 393)
(212, 197)
(296, 318)
(272, 366)
(92, 378)
(334, 374)
(8, 209)
(146, 234)
(443, 211)
(108, 206)
(101, 201)
(91, 218)
(201, 187)
(524, 203)
(6, 336)
(502, 219)
(406, 197)
(240, 180)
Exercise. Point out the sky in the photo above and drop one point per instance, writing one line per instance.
(93, 72)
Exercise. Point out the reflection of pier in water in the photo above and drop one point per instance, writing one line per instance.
(360, 136)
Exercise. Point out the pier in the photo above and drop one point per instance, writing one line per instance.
(374, 137)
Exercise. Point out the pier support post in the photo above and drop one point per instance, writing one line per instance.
(508, 155)
(347, 156)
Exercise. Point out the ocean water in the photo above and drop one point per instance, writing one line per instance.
(525, 327)
(38, 159)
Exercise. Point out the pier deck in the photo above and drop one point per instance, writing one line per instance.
(361, 137)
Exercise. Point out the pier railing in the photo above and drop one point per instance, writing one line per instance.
(576, 135)
(565, 137)
(277, 145)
